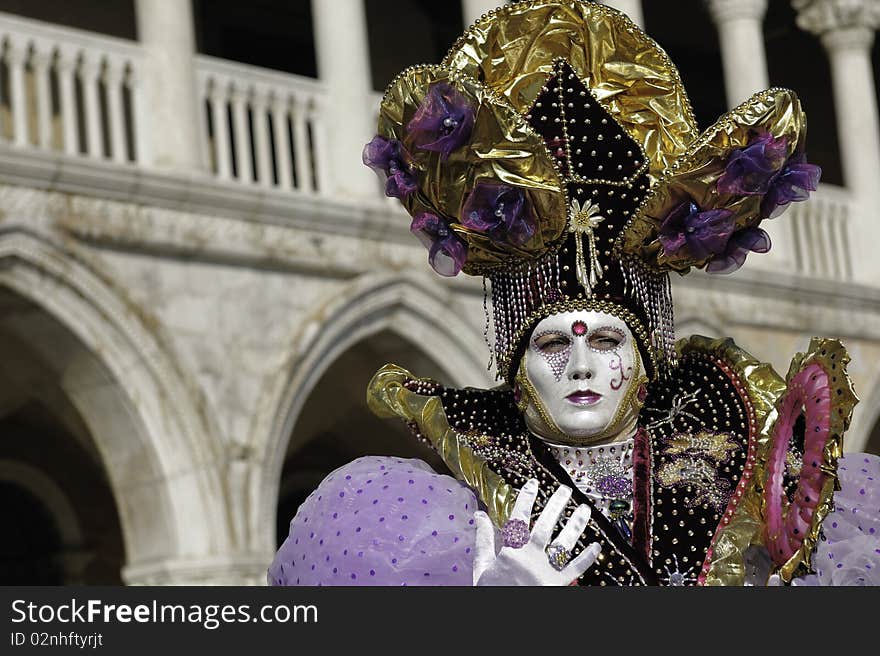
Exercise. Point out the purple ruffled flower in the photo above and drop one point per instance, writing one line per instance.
(793, 184)
(740, 244)
(389, 157)
(691, 232)
(443, 122)
(761, 169)
(500, 211)
(446, 250)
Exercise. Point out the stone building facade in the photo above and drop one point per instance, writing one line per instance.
(198, 277)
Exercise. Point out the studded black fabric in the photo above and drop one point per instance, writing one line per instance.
(700, 427)
(600, 164)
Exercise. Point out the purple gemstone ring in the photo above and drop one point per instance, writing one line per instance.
(515, 533)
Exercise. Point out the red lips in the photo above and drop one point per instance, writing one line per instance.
(584, 397)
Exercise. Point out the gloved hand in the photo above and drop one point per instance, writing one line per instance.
(529, 564)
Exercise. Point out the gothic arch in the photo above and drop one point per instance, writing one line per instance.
(142, 416)
(406, 305)
(49, 493)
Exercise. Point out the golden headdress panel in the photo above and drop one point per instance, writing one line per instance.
(767, 130)
(501, 149)
(513, 49)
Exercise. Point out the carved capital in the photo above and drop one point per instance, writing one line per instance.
(723, 11)
(854, 17)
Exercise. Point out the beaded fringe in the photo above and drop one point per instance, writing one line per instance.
(521, 291)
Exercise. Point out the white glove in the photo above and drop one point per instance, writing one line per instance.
(530, 565)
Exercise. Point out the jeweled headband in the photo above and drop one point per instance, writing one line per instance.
(554, 152)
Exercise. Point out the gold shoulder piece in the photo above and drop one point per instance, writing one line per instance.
(387, 397)
(764, 387)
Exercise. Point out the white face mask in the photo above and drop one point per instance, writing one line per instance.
(581, 375)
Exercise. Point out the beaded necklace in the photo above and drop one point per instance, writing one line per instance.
(605, 474)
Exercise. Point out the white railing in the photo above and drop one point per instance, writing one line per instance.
(820, 234)
(263, 127)
(69, 90)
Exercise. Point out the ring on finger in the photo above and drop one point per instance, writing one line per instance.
(515, 533)
(558, 556)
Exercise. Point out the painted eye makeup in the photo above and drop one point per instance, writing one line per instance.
(551, 342)
(606, 339)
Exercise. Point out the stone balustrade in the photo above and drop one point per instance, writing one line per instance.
(263, 127)
(819, 231)
(76, 93)
(70, 91)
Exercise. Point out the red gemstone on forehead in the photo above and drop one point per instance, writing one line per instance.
(579, 328)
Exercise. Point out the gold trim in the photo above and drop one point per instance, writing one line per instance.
(387, 397)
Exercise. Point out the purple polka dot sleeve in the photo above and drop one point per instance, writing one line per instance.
(380, 521)
(849, 551)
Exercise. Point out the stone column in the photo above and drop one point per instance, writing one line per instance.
(471, 10)
(846, 29)
(632, 8)
(343, 57)
(173, 124)
(740, 33)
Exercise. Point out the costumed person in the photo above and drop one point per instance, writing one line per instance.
(554, 153)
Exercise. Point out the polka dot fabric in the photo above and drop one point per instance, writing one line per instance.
(849, 553)
(380, 521)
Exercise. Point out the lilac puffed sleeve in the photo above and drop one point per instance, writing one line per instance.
(849, 551)
(380, 521)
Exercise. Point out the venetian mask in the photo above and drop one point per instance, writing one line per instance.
(581, 379)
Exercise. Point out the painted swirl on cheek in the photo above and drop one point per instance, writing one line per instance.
(616, 364)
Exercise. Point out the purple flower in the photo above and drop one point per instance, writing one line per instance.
(740, 244)
(389, 157)
(446, 250)
(761, 169)
(443, 122)
(690, 232)
(793, 183)
(500, 211)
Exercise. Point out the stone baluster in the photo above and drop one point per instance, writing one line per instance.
(241, 133)
(16, 55)
(143, 154)
(113, 78)
(89, 70)
(302, 158)
(846, 29)
(259, 107)
(321, 172)
(65, 67)
(282, 143)
(41, 60)
(222, 151)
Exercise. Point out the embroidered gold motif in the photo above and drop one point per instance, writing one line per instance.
(717, 446)
(700, 475)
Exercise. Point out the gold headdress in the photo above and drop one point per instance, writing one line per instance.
(555, 152)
